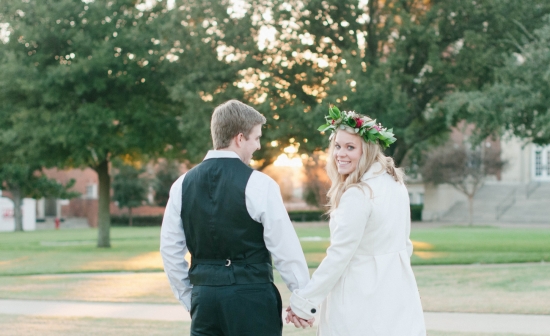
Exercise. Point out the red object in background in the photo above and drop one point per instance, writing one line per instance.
(57, 222)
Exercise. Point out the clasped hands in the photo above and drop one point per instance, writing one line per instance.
(298, 321)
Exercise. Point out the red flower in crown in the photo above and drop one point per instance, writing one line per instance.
(358, 122)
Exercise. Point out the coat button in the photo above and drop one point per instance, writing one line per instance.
(313, 311)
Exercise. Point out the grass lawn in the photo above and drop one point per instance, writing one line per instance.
(503, 288)
(136, 249)
(452, 245)
(485, 245)
(42, 265)
(74, 250)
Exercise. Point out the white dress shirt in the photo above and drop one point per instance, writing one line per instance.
(264, 204)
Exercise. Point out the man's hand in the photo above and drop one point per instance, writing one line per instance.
(298, 321)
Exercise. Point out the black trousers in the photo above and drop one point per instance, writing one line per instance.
(236, 310)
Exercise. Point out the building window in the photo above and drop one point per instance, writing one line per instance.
(91, 191)
(538, 163)
(416, 198)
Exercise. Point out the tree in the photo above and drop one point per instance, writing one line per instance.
(20, 163)
(392, 60)
(316, 182)
(518, 103)
(168, 172)
(24, 180)
(463, 168)
(98, 80)
(129, 189)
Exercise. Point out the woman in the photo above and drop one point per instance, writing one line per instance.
(365, 285)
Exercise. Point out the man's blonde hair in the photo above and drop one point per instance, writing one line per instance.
(232, 118)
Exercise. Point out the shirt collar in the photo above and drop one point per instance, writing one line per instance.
(219, 154)
(374, 171)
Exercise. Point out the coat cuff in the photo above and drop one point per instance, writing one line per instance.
(302, 307)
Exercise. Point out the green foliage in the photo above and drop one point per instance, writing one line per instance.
(21, 172)
(320, 215)
(307, 216)
(100, 73)
(130, 190)
(137, 221)
(167, 173)
(364, 126)
(518, 102)
(29, 181)
(295, 216)
(391, 60)
(310, 196)
(416, 212)
(85, 82)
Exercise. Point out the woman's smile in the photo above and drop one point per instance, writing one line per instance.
(343, 163)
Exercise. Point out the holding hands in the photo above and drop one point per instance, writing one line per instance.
(298, 321)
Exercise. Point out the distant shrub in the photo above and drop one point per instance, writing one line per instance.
(307, 216)
(416, 212)
(136, 220)
(295, 216)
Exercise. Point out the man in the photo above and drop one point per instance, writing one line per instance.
(232, 220)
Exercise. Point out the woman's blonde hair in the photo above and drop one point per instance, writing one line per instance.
(372, 153)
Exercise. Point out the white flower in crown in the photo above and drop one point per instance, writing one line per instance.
(352, 114)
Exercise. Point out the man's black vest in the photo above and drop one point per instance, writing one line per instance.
(226, 245)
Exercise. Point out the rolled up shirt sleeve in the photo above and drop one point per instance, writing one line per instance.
(173, 247)
(350, 220)
(265, 205)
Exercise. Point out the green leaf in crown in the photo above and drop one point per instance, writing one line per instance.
(334, 112)
(363, 126)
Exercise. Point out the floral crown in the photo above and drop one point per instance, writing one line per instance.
(363, 125)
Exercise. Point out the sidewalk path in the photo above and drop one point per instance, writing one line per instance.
(457, 322)
(139, 311)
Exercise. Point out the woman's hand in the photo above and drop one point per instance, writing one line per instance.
(298, 321)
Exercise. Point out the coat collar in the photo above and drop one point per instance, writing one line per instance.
(374, 171)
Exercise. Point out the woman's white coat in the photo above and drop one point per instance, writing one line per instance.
(365, 285)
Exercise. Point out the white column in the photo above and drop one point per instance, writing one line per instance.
(29, 214)
(41, 208)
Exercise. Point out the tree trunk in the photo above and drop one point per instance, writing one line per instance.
(471, 208)
(372, 40)
(399, 153)
(104, 216)
(130, 215)
(17, 213)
